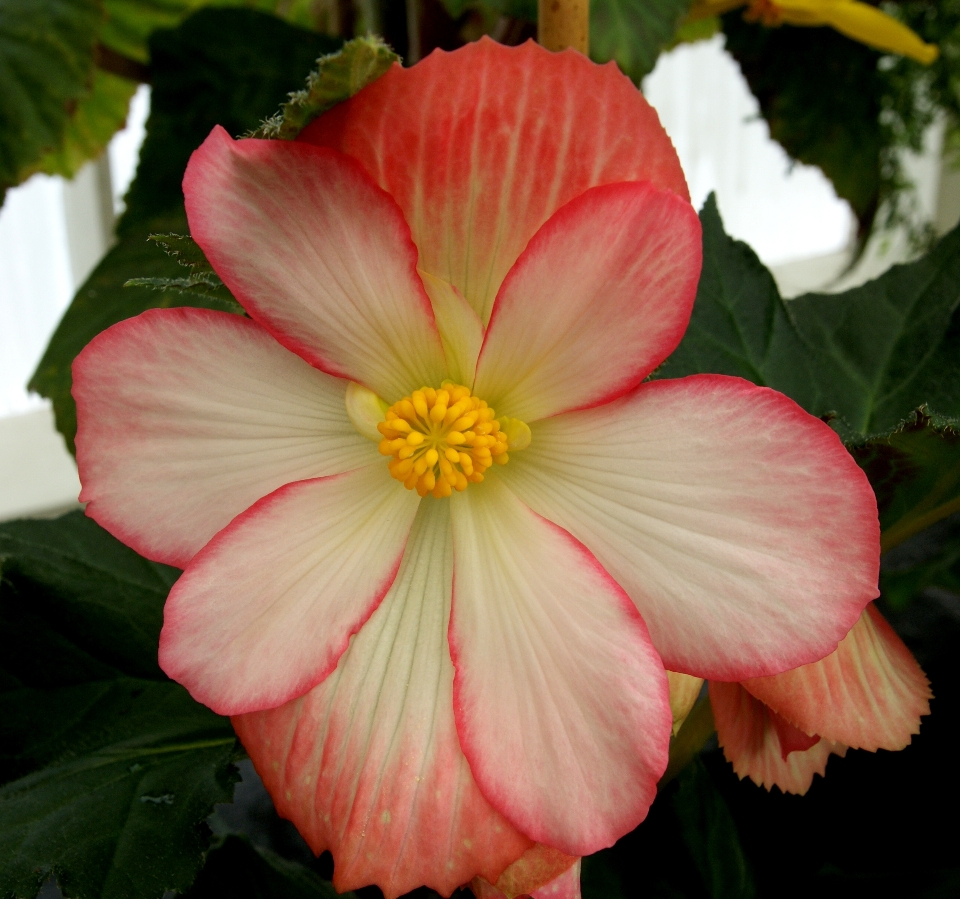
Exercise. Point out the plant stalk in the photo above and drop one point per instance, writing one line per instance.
(564, 23)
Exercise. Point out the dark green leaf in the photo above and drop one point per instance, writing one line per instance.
(46, 69)
(237, 870)
(870, 355)
(711, 835)
(633, 32)
(109, 770)
(930, 559)
(599, 878)
(337, 76)
(97, 118)
(229, 67)
(201, 281)
(915, 472)
(108, 598)
(119, 814)
(131, 22)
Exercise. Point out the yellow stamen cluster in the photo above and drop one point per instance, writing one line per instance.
(441, 440)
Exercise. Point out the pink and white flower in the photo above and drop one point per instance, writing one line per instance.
(442, 681)
(781, 730)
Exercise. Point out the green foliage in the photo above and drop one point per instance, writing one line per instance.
(633, 32)
(237, 870)
(108, 769)
(837, 104)
(46, 69)
(915, 472)
(337, 76)
(228, 67)
(131, 22)
(97, 118)
(711, 836)
(202, 280)
(869, 356)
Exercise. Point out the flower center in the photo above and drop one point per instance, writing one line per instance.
(441, 440)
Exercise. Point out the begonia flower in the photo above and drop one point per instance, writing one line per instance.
(860, 21)
(781, 730)
(439, 536)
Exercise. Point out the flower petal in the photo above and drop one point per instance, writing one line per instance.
(750, 742)
(739, 525)
(318, 255)
(266, 608)
(599, 298)
(561, 702)
(541, 873)
(188, 416)
(869, 694)
(481, 146)
(368, 763)
(460, 328)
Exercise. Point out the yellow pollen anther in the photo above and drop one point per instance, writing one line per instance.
(444, 439)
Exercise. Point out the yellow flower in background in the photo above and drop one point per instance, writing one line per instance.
(856, 20)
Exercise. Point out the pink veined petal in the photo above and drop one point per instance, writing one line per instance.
(561, 701)
(187, 416)
(265, 610)
(481, 146)
(368, 763)
(869, 694)
(318, 255)
(541, 873)
(460, 328)
(739, 525)
(751, 744)
(599, 298)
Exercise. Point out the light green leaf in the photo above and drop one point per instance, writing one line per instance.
(870, 356)
(97, 118)
(109, 770)
(633, 32)
(46, 69)
(337, 76)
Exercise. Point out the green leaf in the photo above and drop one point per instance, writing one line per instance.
(202, 281)
(131, 22)
(337, 76)
(870, 356)
(711, 836)
(915, 472)
(229, 67)
(929, 560)
(109, 770)
(46, 69)
(226, 66)
(237, 870)
(109, 598)
(633, 32)
(97, 118)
